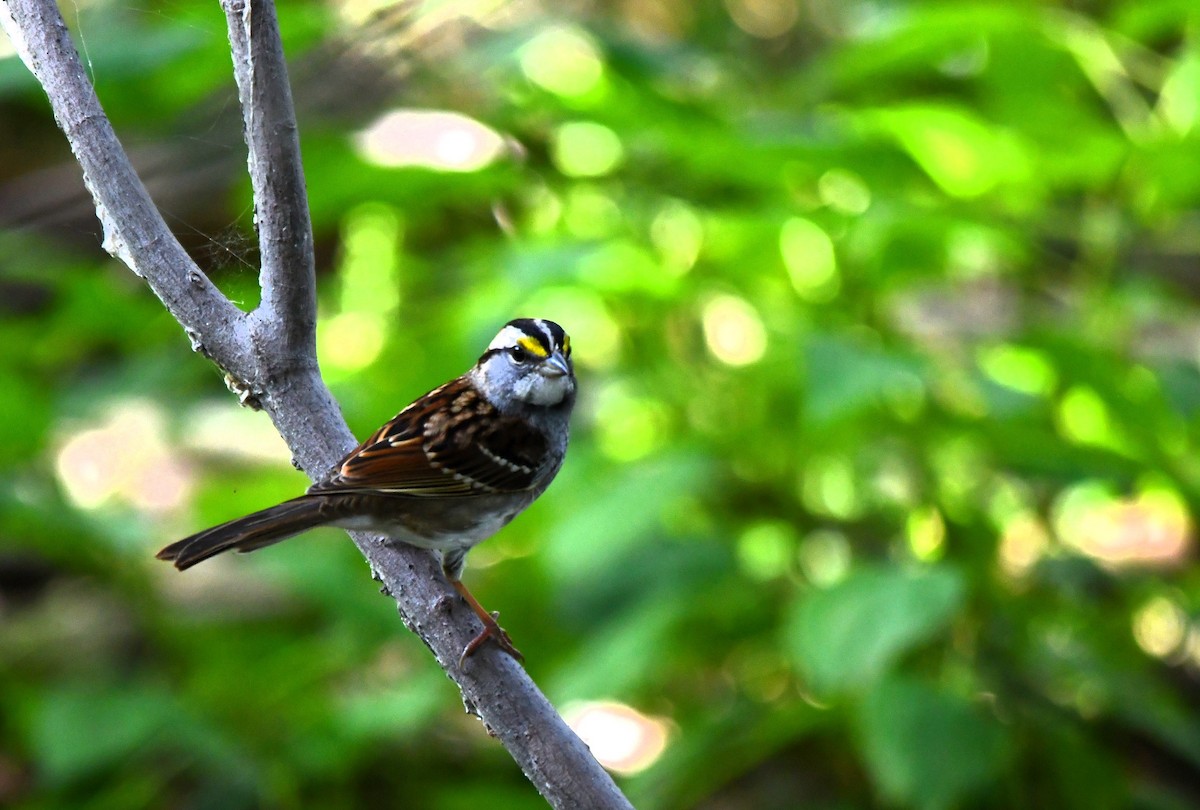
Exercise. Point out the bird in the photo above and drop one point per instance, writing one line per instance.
(445, 473)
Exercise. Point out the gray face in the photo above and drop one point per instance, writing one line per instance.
(528, 363)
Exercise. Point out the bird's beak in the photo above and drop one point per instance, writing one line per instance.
(555, 366)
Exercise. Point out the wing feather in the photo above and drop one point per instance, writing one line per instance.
(450, 443)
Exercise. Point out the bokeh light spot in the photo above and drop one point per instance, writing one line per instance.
(1083, 418)
(829, 487)
(620, 737)
(563, 60)
(733, 331)
(1160, 627)
(586, 149)
(351, 341)
(1152, 528)
(371, 236)
(824, 557)
(809, 258)
(926, 533)
(765, 19)
(1023, 543)
(844, 191)
(125, 458)
(430, 139)
(677, 234)
(219, 429)
(1179, 100)
(972, 253)
(1026, 370)
(765, 550)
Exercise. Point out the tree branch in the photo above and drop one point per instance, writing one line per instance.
(277, 364)
(134, 231)
(289, 306)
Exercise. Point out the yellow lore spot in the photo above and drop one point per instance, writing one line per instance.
(532, 346)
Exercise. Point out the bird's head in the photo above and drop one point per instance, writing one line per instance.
(527, 363)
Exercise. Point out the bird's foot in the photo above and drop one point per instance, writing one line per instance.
(491, 630)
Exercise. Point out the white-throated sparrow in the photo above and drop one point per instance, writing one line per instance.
(445, 473)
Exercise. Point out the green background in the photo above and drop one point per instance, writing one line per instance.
(886, 322)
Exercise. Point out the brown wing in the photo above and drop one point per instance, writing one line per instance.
(472, 441)
(450, 442)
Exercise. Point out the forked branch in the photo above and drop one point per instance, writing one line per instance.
(271, 354)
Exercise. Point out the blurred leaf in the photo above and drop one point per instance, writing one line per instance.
(965, 156)
(611, 661)
(589, 538)
(1079, 773)
(846, 636)
(927, 748)
(845, 378)
(711, 753)
(85, 729)
(395, 710)
(26, 416)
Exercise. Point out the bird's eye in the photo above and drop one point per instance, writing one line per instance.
(518, 354)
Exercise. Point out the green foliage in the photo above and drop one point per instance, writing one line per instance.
(846, 636)
(882, 483)
(925, 747)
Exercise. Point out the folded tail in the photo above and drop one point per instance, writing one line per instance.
(254, 531)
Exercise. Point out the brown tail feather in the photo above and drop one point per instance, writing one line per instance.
(253, 531)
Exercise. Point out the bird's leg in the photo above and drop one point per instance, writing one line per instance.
(490, 630)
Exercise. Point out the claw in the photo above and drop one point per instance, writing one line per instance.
(491, 629)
